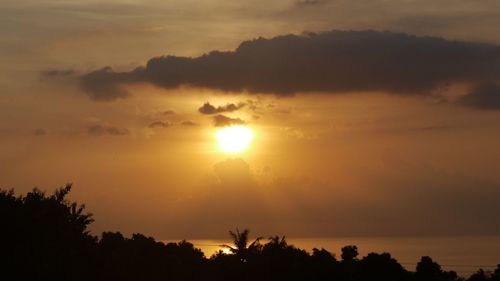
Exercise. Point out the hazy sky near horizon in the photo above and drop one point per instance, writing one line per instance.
(357, 133)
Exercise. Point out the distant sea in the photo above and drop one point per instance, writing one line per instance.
(464, 254)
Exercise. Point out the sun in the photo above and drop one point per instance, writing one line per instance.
(234, 139)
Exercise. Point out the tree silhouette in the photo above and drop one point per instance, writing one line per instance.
(428, 270)
(349, 258)
(349, 253)
(495, 276)
(277, 242)
(242, 249)
(480, 275)
(46, 237)
(324, 265)
(380, 267)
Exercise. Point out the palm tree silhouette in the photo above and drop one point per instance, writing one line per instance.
(75, 212)
(278, 242)
(241, 248)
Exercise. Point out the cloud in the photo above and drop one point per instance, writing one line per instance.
(311, 207)
(54, 73)
(223, 121)
(207, 108)
(332, 62)
(233, 171)
(40, 132)
(234, 187)
(160, 124)
(420, 129)
(483, 96)
(168, 112)
(189, 123)
(104, 85)
(308, 2)
(100, 130)
(168, 124)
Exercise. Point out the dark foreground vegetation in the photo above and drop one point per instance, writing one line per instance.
(46, 238)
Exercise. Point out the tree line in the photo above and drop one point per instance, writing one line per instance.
(46, 237)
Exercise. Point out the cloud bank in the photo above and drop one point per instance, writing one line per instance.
(432, 204)
(330, 62)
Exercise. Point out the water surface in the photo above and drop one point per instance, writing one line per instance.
(461, 254)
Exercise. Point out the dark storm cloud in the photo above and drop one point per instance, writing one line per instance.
(484, 96)
(207, 108)
(336, 61)
(223, 121)
(160, 124)
(100, 130)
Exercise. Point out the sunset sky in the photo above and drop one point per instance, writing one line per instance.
(367, 118)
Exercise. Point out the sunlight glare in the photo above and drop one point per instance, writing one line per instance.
(234, 139)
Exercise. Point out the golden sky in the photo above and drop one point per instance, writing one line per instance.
(355, 132)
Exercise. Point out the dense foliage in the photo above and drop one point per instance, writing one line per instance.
(46, 238)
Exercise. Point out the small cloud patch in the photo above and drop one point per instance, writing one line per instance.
(160, 124)
(40, 132)
(208, 109)
(101, 130)
(223, 121)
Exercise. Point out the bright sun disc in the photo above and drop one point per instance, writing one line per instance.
(234, 139)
